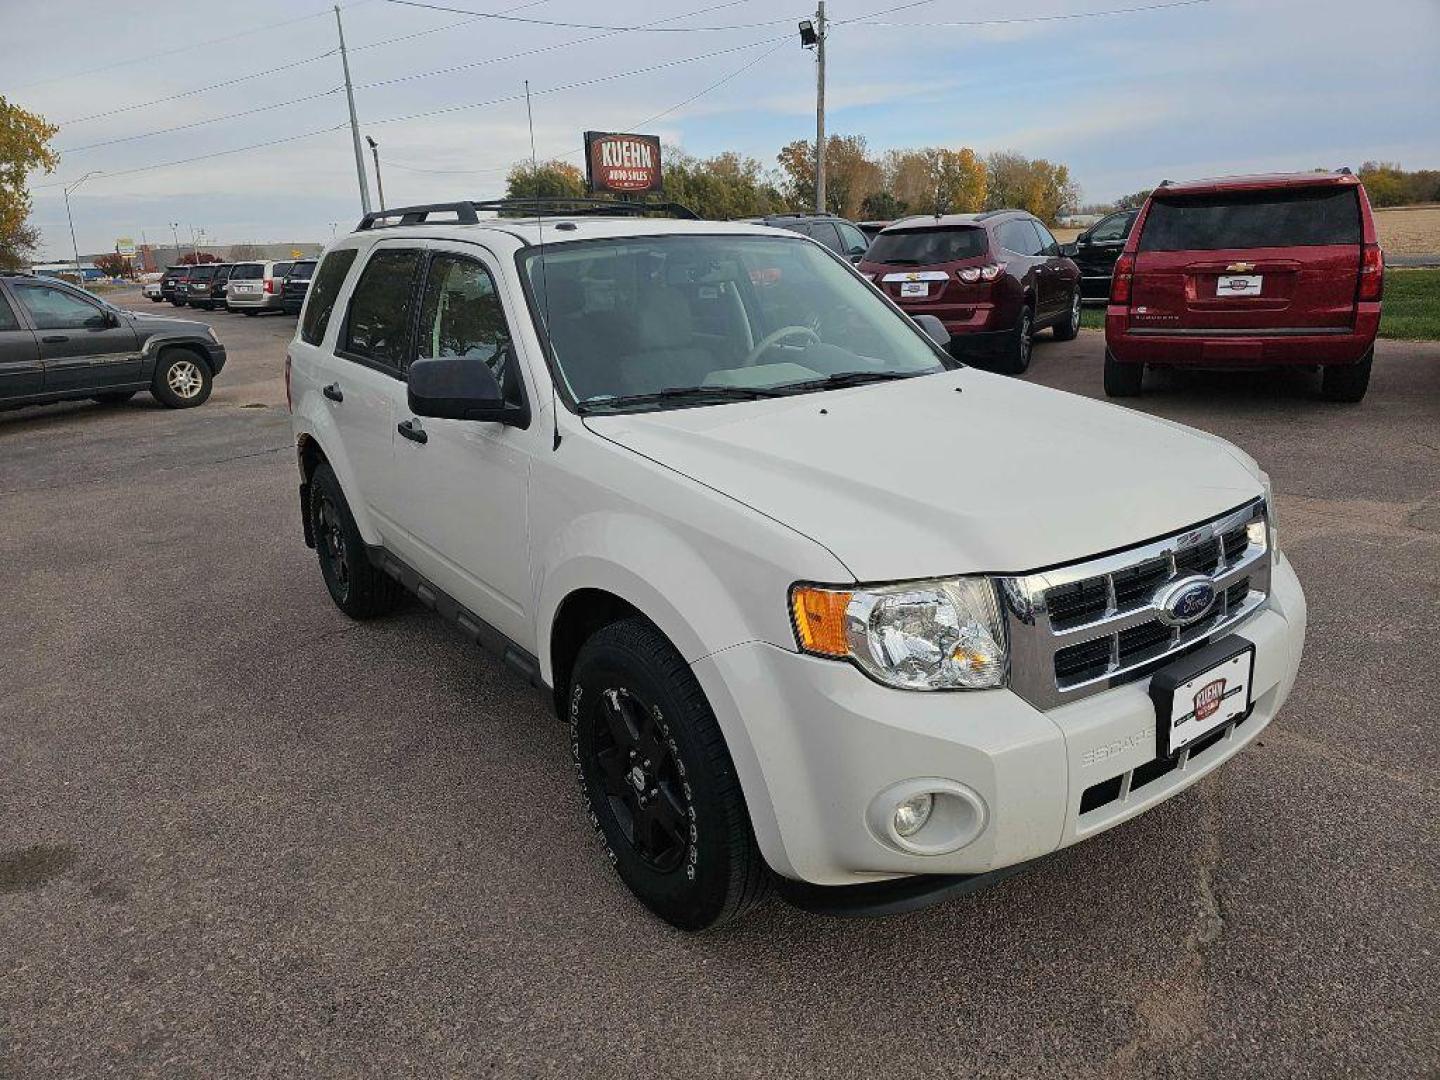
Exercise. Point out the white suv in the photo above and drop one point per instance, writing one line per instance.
(823, 608)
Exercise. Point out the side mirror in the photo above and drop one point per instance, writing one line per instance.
(461, 388)
(934, 329)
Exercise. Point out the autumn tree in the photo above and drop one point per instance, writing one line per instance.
(882, 206)
(191, 258)
(114, 265)
(1133, 201)
(850, 174)
(555, 179)
(1018, 182)
(720, 188)
(24, 146)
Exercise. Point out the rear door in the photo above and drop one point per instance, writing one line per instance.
(20, 372)
(1279, 260)
(80, 349)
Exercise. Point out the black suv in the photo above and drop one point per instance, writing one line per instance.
(1096, 249)
(170, 280)
(59, 343)
(297, 284)
(206, 285)
(834, 232)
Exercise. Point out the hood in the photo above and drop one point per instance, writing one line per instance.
(913, 479)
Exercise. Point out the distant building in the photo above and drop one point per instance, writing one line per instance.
(88, 270)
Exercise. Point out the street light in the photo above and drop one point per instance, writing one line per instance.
(379, 187)
(174, 225)
(75, 246)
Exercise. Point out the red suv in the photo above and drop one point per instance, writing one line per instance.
(993, 279)
(1245, 271)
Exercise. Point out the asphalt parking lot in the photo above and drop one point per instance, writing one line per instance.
(241, 835)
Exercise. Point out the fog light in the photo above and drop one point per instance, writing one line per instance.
(912, 814)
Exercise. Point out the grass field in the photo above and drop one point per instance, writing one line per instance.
(1411, 311)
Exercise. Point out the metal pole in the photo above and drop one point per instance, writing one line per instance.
(73, 244)
(174, 225)
(379, 186)
(195, 243)
(354, 123)
(820, 110)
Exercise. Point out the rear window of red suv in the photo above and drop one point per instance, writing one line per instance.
(925, 247)
(1294, 217)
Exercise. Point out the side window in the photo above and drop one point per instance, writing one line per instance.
(380, 308)
(323, 293)
(855, 242)
(1048, 246)
(827, 234)
(1115, 227)
(8, 321)
(461, 315)
(54, 309)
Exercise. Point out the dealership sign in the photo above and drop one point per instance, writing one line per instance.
(125, 246)
(626, 164)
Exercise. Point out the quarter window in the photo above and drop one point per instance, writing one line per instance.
(380, 308)
(461, 315)
(323, 294)
(54, 309)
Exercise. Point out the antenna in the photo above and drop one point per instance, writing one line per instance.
(544, 277)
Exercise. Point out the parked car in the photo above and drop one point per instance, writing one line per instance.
(1095, 250)
(219, 286)
(58, 342)
(872, 229)
(1248, 271)
(993, 279)
(297, 284)
(200, 285)
(153, 291)
(821, 606)
(170, 282)
(835, 233)
(256, 286)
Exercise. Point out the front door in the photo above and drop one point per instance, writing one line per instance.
(83, 346)
(20, 372)
(1097, 250)
(461, 493)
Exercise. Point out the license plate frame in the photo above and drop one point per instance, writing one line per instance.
(1188, 687)
(1240, 285)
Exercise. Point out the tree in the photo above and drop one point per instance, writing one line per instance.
(934, 180)
(113, 265)
(882, 206)
(1133, 201)
(190, 258)
(24, 146)
(850, 174)
(243, 252)
(1017, 182)
(555, 179)
(720, 188)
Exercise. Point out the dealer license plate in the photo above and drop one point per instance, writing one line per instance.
(1201, 692)
(1239, 285)
(914, 288)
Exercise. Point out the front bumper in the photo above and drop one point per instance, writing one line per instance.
(815, 742)
(1240, 348)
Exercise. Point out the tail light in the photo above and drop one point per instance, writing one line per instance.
(1372, 273)
(269, 284)
(972, 274)
(289, 404)
(1121, 280)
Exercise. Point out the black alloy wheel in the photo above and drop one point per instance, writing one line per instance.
(641, 781)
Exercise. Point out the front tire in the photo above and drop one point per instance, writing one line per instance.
(182, 379)
(359, 588)
(1016, 357)
(1122, 380)
(1347, 382)
(1069, 325)
(658, 780)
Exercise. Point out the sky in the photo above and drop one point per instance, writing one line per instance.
(1194, 88)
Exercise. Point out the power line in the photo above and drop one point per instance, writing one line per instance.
(440, 29)
(865, 19)
(200, 123)
(590, 26)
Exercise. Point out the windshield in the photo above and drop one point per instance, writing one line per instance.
(705, 318)
(926, 247)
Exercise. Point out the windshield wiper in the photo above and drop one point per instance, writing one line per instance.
(848, 378)
(696, 394)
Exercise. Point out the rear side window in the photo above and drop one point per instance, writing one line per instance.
(1304, 217)
(918, 247)
(321, 301)
(280, 269)
(247, 272)
(380, 308)
(1020, 237)
(7, 316)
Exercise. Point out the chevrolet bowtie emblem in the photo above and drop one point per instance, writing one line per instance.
(1239, 268)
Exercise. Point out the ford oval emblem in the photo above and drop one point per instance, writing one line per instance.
(1185, 601)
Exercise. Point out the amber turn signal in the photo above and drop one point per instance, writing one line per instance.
(819, 616)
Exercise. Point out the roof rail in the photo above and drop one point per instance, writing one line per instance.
(1344, 170)
(468, 213)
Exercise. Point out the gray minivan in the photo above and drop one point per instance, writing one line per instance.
(256, 286)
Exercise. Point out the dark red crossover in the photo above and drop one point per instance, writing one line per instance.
(993, 279)
(1249, 271)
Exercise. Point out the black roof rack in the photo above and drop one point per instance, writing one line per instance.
(468, 213)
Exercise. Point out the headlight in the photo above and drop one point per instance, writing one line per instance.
(1274, 536)
(926, 635)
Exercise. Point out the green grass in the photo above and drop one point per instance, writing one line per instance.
(1411, 311)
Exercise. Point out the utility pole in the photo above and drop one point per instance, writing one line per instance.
(175, 235)
(820, 109)
(354, 123)
(75, 246)
(195, 242)
(379, 186)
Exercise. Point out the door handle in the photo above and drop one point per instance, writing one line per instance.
(412, 430)
(333, 392)
(55, 339)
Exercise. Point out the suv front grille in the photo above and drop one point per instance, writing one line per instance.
(1082, 628)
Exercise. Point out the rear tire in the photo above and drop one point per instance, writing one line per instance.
(359, 588)
(1069, 325)
(1016, 356)
(1347, 382)
(659, 782)
(182, 379)
(1122, 380)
